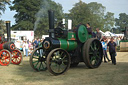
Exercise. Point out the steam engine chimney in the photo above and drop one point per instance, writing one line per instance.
(51, 23)
(8, 31)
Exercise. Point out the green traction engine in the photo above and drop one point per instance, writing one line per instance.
(66, 48)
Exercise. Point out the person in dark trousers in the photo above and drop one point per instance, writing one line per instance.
(104, 45)
(93, 34)
(112, 50)
(33, 44)
(89, 29)
(98, 34)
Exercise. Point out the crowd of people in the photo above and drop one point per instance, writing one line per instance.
(29, 46)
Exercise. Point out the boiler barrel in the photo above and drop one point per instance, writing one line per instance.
(50, 43)
(68, 45)
(8, 45)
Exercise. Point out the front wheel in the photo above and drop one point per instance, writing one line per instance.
(38, 59)
(5, 57)
(58, 61)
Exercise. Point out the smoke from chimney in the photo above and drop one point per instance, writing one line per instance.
(40, 14)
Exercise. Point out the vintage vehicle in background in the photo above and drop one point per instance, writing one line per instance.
(124, 41)
(8, 51)
(18, 36)
(66, 48)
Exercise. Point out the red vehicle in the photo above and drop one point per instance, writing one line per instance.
(8, 53)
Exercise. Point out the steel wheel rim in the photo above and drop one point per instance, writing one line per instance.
(58, 62)
(39, 60)
(5, 58)
(94, 53)
(16, 57)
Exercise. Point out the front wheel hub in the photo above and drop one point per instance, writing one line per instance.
(59, 61)
(41, 59)
(95, 52)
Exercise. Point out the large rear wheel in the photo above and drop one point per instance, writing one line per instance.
(38, 59)
(5, 57)
(58, 61)
(92, 53)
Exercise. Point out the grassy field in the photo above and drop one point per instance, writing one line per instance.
(106, 74)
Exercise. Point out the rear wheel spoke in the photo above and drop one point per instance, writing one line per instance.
(36, 64)
(92, 48)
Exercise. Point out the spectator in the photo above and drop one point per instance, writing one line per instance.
(33, 44)
(24, 48)
(93, 34)
(29, 44)
(36, 42)
(112, 50)
(98, 34)
(28, 41)
(40, 43)
(30, 48)
(89, 29)
(104, 44)
(104, 37)
(118, 41)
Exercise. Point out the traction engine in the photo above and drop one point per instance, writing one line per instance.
(66, 48)
(8, 52)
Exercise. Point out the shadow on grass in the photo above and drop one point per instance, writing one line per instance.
(29, 74)
(77, 75)
(25, 67)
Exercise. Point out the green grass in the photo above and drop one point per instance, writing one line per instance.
(106, 74)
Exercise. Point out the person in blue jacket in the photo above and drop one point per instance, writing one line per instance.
(36, 43)
(104, 45)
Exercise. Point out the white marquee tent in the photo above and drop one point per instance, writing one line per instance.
(108, 33)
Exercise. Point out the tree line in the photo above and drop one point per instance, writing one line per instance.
(33, 15)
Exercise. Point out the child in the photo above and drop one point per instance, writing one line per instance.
(104, 44)
(112, 50)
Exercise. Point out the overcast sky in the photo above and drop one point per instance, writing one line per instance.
(114, 6)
